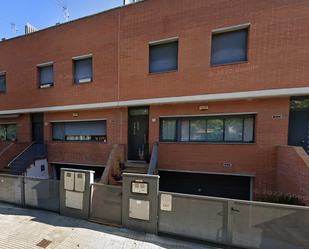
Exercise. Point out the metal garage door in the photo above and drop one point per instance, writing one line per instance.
(226, 186)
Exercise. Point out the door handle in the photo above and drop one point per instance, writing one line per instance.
(235, 210)
(145, 138)
(302, 142)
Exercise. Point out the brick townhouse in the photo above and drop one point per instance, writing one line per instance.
(211, 81)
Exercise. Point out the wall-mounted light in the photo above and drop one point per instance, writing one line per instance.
(153, 120)
(75, 114)
(203, 108)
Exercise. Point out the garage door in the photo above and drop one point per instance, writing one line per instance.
(226, 186)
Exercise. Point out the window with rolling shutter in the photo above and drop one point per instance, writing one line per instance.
(80, 131)
(2, 82)
(46, 76)
(229, 47)
(163, 57)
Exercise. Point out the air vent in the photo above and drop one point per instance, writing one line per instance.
(227, 165)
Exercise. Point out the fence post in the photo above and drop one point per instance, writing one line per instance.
(229, 214)
(140, 202)
(22, 190)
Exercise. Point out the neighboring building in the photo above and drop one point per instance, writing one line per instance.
(211, 81)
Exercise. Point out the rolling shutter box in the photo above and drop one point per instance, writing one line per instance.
(92, 128)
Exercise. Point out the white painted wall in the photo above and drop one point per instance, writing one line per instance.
(35, 169)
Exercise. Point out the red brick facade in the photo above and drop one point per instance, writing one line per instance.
(293, 173)
(118, 40)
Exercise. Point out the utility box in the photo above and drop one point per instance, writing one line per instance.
(139, 202)
(75, 192)
(80, 181)
(69, 180)
(139, 209)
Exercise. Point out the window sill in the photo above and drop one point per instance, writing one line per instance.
(76, 141)
(210, 143)
(228, 64)
(46, 86)
(81, 83)
(171, 71)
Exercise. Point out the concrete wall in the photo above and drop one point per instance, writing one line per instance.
(293, 172)
(35, 169)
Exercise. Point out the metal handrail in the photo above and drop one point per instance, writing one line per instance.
(20, 154)
(153, 164)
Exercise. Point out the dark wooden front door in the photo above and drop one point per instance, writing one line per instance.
(299, 129)
(138, 133)
(38, 127)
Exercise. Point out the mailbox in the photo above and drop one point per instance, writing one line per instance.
(79, 182)
(69, 180)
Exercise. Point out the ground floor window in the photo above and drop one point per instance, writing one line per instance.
(80, 131)
(207, 129)
(8, 131)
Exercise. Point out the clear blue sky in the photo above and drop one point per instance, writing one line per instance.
(45, 13)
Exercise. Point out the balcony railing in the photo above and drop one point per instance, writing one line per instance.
(36, 150)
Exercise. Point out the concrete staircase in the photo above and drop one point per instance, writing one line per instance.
(134, 167)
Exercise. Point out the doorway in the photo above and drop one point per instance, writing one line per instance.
(299, 123)
(37, 127)
(138, 133)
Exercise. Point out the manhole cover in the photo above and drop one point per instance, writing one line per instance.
(44, 243)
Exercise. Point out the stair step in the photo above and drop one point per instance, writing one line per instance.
(119, 183)
(105, 222)
(137, 171)
(5, 171)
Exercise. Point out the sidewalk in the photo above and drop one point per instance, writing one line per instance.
(31, 228)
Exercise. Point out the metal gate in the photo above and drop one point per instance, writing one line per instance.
(106, 204)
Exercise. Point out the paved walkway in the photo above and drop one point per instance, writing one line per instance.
(31, 228)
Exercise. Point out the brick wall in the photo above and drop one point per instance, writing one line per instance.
(293, 172)
(24, 132)
(119, 42)
(8, 155)
(92, 153)
(258, 159)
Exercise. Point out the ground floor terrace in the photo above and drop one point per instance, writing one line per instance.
(247, 149)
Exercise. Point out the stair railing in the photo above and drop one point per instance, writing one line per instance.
(34, 151)
(153, 164)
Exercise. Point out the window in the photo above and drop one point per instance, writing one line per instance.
(2, 82)
(8, 131)
(229, 47)
(163, 57)
(168, 130)
(46, 72)
(208, 129)
(80, 131)
(82, 69)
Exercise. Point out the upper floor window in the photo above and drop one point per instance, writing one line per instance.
(8, 132)
(163, 56)
(2, 82)
(46, 72)
(82, 69)
(208, 129)
(229, 45)
(80, 131)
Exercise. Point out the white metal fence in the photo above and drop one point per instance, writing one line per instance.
(34, 192)
(239, 223)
